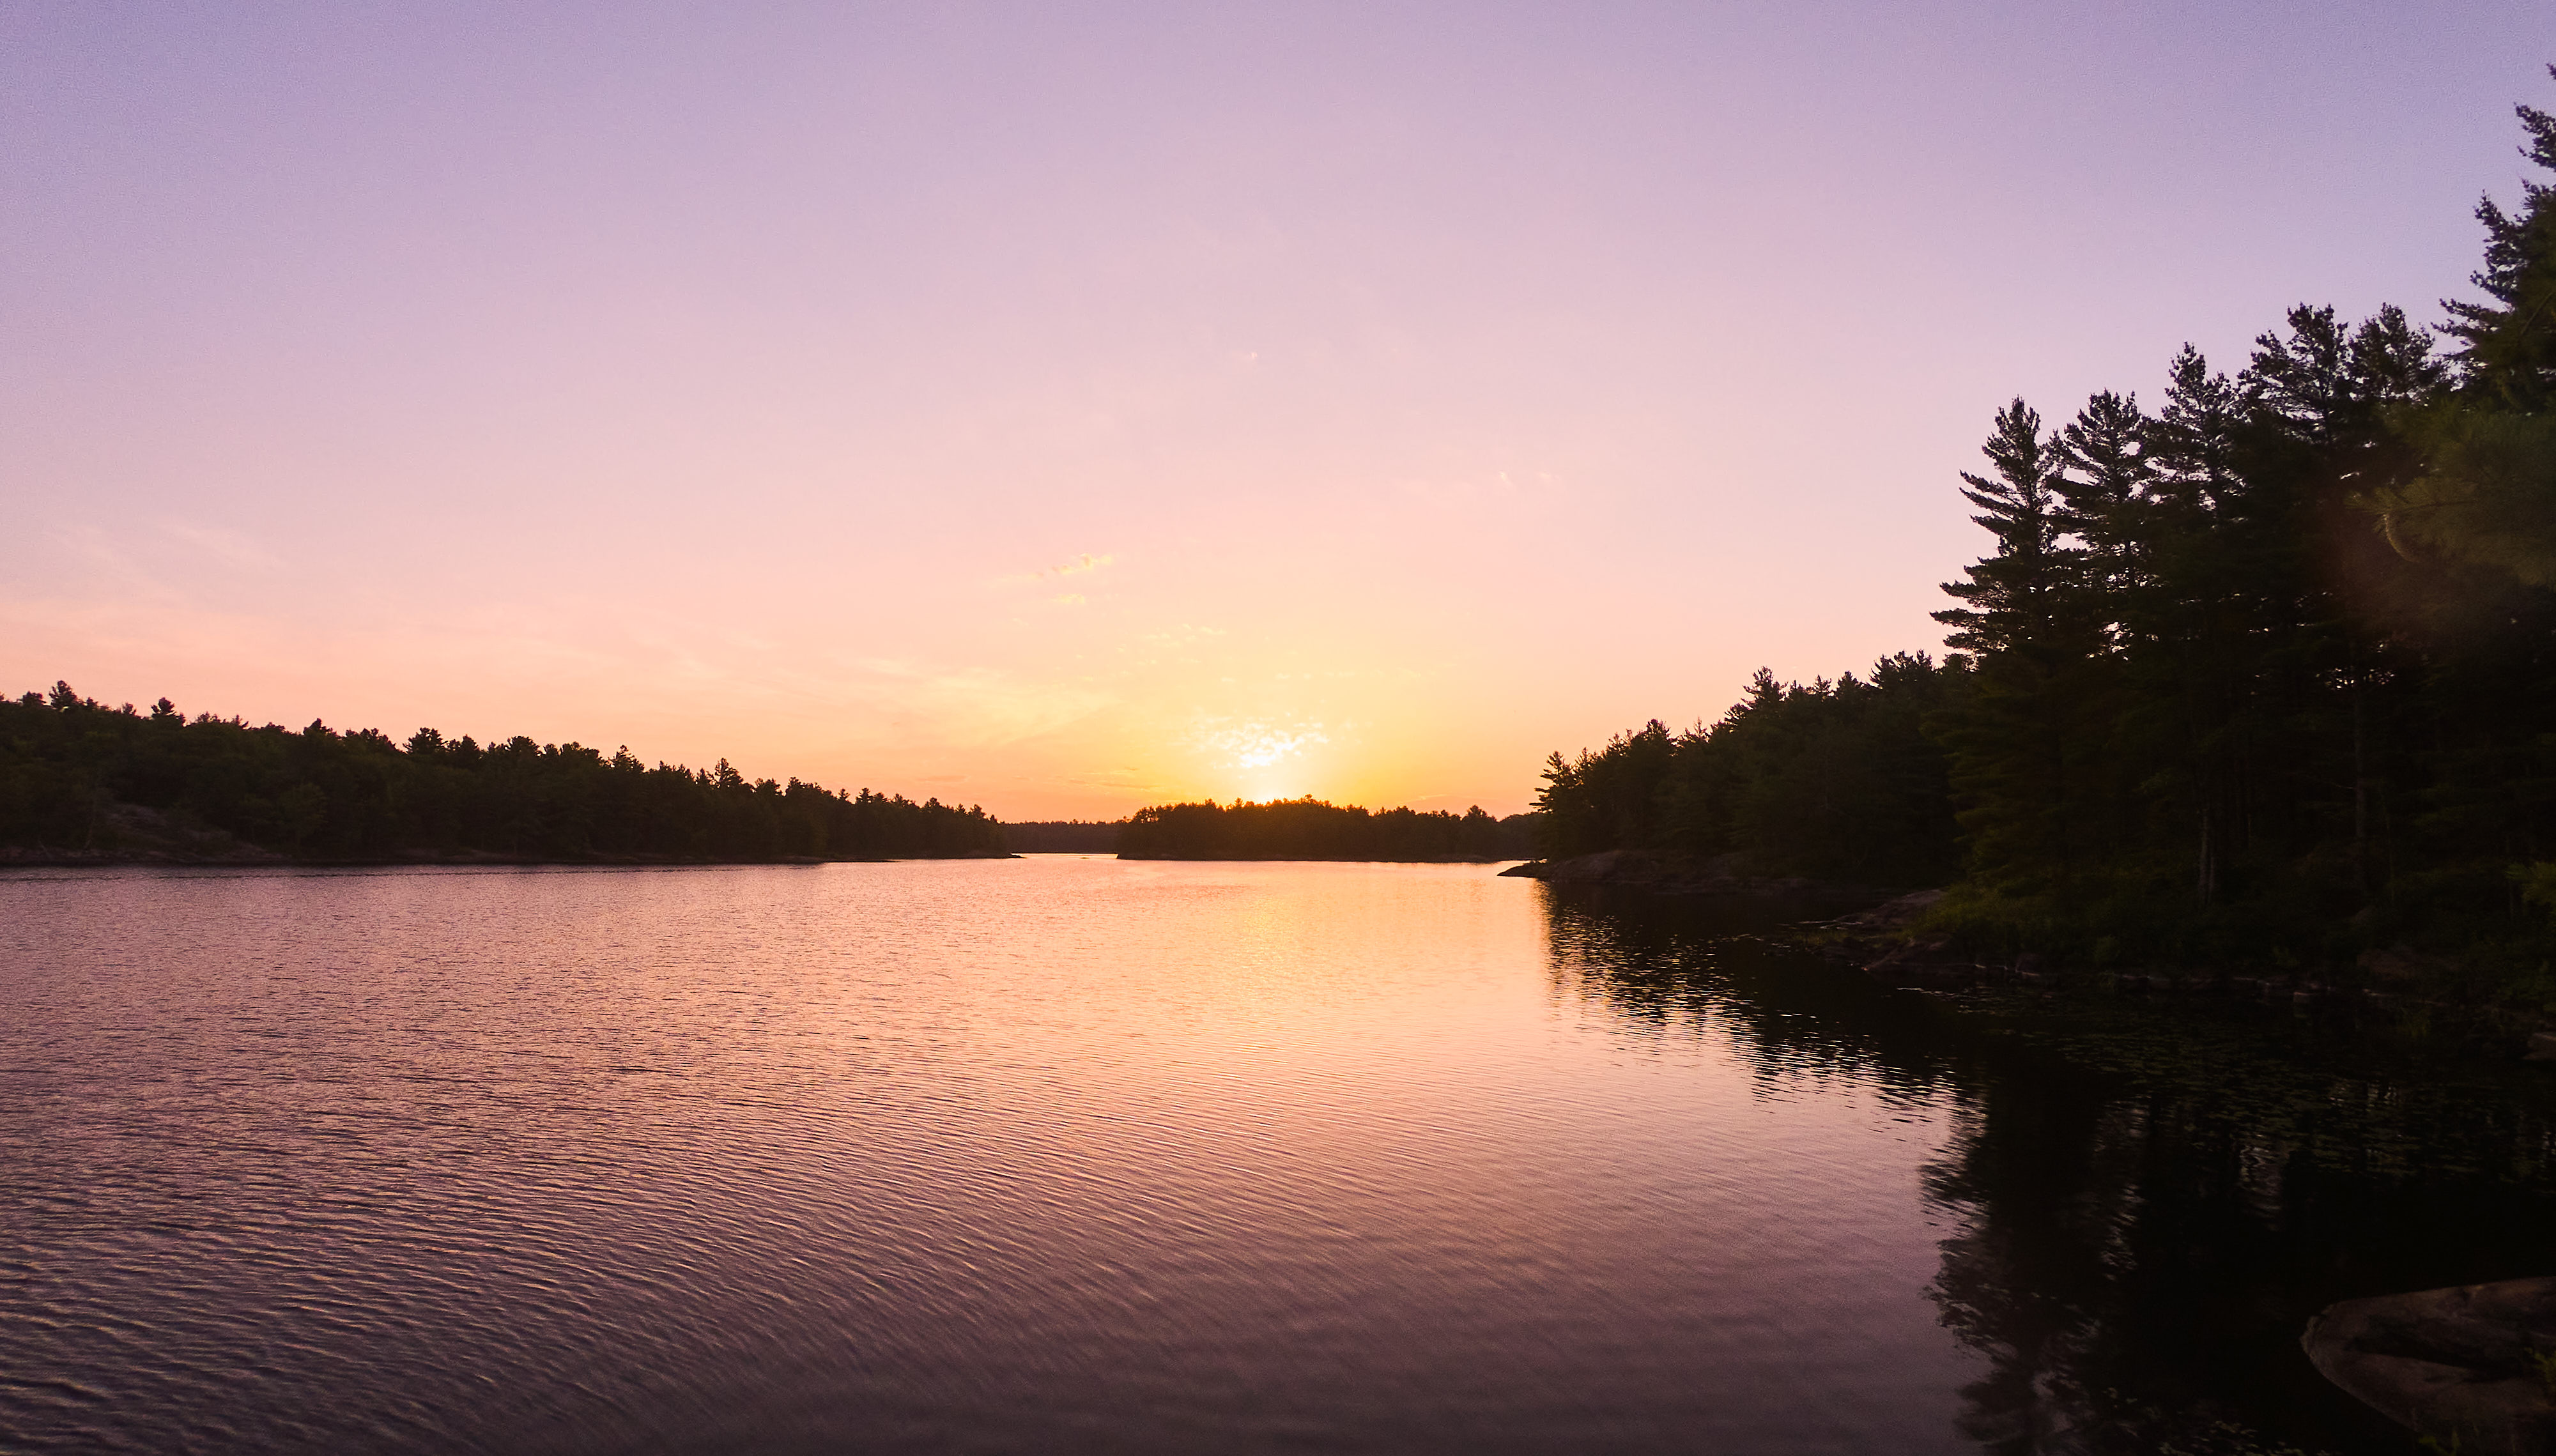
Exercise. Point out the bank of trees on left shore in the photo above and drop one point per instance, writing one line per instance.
(80, 777)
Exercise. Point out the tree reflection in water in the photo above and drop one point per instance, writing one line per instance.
(2151, 1198)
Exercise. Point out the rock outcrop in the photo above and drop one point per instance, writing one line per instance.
(2474, 1364)
(1669, 874)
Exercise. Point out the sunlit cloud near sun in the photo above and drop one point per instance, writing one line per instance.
(1257, 746)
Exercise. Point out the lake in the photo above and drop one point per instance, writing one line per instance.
(1067, 1154)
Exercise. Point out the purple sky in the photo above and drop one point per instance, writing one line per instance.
(1069, 407)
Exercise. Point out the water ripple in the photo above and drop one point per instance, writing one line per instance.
(1038, 1155)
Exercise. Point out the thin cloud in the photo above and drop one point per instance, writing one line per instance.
(231, 547)
(1081, 565)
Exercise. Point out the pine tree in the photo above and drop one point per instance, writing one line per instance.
(2187, 734)
(2025, 742)
(2487, 493)
(2014, 598)
(2507, 347)
(2102, 484)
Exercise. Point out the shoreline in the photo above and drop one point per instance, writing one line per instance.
(1877, 938)
(1315, 859)
(1685, 875)
(247, 858)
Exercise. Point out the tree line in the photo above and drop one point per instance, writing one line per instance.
(1063, 836)
(2263, 670)
(1836, 780)
(1311, 829)
(80, 777)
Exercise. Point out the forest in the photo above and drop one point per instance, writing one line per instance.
(1063, 836)
(1310, 829)
(79, 778)
(2261, 671)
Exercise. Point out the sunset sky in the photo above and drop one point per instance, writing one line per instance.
(1068, 408)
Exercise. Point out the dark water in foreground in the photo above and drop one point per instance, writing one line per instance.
(1080, 1155)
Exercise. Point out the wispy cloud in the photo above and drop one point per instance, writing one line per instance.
(231, 547)
(1080, 565)
(972, 707)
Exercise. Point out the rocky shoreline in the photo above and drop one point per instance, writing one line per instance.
(1666, 874)
(1885, 942)
(1886, 945)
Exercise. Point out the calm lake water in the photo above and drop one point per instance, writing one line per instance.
(1068, 1154)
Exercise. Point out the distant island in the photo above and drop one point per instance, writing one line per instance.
(1285, 829)
(1312, 829)
(1063, 836)
(81, 783)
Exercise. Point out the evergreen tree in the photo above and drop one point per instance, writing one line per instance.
(2015, 598)
(2507, 346)
(2025, 742)
(2487, 493)
(2102, 484)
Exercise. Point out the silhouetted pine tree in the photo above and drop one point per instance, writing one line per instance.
(2026, 743)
